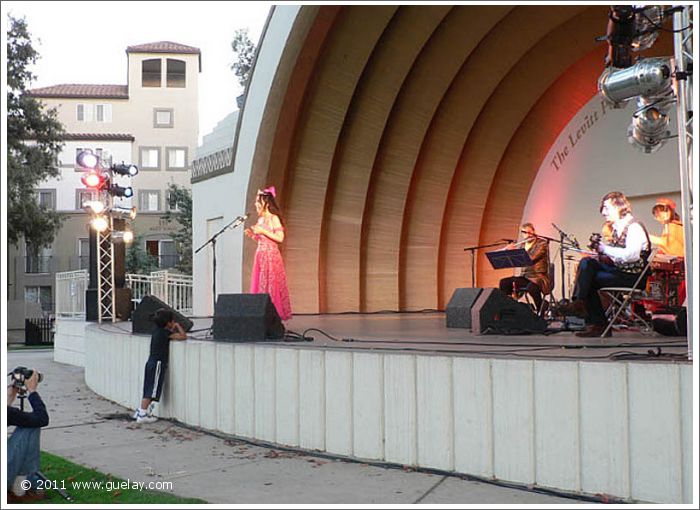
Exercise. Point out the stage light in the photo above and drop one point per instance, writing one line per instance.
(96, 206)
(95, 180)
(120, 191)
(128, 236)
(87, 159)
(100, 223)
(124, 169)
(649, 128)
(631, 28)
(648, 77)
(124, 211)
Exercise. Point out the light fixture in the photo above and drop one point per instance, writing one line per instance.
(128, 236)
(100, 223)
(121, 191)
(649, 128)
(124, 169)
(648, 77)
(87, 159)
(124, 211)
(96, 206)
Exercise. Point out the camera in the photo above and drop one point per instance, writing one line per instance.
(21, 374)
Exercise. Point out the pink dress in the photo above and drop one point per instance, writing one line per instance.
(268, 275)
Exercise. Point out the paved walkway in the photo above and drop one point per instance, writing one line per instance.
(95, 432)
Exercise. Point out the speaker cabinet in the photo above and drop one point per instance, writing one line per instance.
(459, 310)
(246, 318)
(140, 319)
(495, 313)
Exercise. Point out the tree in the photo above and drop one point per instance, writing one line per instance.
(137, 260)
(244, 49)
(180, 211)
(34, 140)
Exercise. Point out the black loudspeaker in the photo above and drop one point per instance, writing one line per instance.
(495, 313)
(459, 310)
(246, 318)
(91, 304)
(140, 319)
(671, 322)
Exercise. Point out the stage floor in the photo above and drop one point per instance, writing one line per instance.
(426, 332)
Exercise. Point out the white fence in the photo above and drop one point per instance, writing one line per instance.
(70, 293)
(173, 289)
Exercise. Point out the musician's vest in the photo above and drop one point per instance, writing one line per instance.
(621, 242)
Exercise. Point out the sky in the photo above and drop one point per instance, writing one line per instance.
(85, 42)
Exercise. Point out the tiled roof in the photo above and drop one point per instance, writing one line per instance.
(162, 47)
(75, 90)
(98, 136)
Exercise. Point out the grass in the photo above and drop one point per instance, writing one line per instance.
(66, 473)
(22, 347)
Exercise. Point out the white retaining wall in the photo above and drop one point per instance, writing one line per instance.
(623, 429)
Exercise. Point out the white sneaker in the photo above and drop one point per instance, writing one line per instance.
(145, 418)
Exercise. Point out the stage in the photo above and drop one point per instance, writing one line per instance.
(426, 332)
(548, 411)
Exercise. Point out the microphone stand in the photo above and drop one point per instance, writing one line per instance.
(238, 220)
(472, 249)
(563, 236)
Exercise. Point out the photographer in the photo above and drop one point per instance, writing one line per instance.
(23, 445)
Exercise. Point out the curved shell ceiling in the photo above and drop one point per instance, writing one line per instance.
(399, 135)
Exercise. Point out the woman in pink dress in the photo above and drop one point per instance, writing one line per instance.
(268, 275)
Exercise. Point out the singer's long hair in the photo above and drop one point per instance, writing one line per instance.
(268, 201)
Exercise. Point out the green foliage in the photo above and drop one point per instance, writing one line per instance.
(181, 198)
(34, 140)
(244, 49)
(137, 260)
(82, 485)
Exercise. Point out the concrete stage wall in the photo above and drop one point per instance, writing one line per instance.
(623, 428)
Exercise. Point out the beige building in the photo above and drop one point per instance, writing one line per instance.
(152, 122)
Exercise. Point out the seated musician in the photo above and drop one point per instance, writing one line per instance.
(619, 264)
(533, 279)
(672, 238)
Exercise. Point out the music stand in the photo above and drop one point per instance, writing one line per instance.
(502, 259)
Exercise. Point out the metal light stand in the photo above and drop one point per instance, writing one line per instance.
(683, 80)
(238, 220)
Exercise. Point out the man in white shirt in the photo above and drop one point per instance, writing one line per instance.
(618, 264)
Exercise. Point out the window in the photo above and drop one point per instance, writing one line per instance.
(150, 73)
(103, 113)
(37, 260)
(177, 158)
(149, 158)
(83, 253)
(149, 200)
(84, 195)
(164, 251)
(162, 117)
(47, 198)
(39, 294)
(83, 112)
(176, 73)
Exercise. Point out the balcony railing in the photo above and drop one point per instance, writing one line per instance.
(172, 288)
(37, 264)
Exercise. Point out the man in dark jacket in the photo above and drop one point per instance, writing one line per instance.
(24, 445)
(533, 279)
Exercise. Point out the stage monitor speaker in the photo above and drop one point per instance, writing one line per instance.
(495, 313)
(670, 322)
(140, 318)
(459, 310)
(246, 318)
